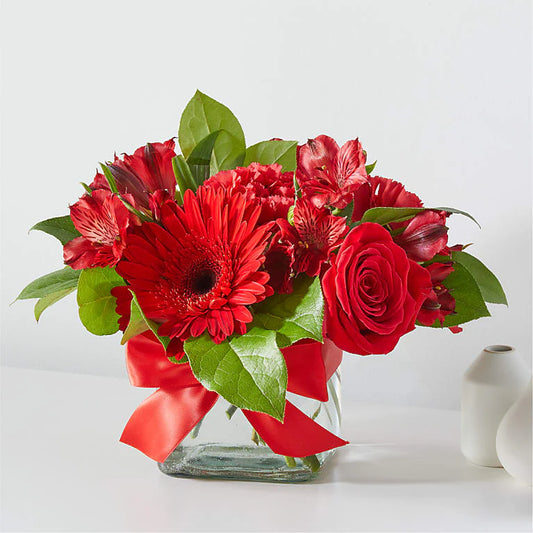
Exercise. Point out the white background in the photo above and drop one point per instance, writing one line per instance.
(438, 92)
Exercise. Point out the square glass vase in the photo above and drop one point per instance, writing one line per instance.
(225, 445)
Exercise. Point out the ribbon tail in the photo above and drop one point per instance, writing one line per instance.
(165, 418)
(296, 436)
(309, 366)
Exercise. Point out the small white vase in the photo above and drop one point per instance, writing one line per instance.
(491, 385)
(513, 440)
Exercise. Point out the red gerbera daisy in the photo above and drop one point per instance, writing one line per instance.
(103, 220)
(200, 268)
(148, 170)
(315, 234)
(272, 189)
(329, 175)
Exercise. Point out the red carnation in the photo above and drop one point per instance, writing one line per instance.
(382, 192)
(329, 175)
(424, 236)
(373, 292)
(103, 221)
(272, 189)
(315, 234)
(148, 170)
(199, 269)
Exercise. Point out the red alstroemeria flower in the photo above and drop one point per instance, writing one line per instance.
(315, 234)
(278, 263)
(148, 170)
(424, 236)
(199, 268)
(103, 221)
(440, 303)
(272, 189)
(382, 192)
(329, 175)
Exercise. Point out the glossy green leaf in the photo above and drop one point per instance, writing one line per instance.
(247, 370)
(488, 283)
(371, 167)
(469, 303)
(200, 159)
(96, 303)
(294, 316)
(270, 152)
(139, 324)
(183, 174)
(88, 190)
(109, 178)
(66, 278)
(386, 215)
(136, 325)
(61, 228)
(347, 212)
(46, 301)
(203, 116)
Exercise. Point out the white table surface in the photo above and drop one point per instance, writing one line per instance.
(63, 469)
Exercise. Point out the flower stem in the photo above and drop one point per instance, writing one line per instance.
(196, 429)
(291, 462)
(230, 411)
(256, 438)
(312, 463)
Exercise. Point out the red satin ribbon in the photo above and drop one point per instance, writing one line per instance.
(165, 418)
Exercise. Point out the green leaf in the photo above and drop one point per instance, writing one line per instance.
(469, 303)
(294, 316)
(248, 371)
(371, 167)
(88, 190)
(47, 301)
(203, 116)
(96, 303)
(453, 211)
(59, 280)
(270, 152)
(488, 283)
(62, 228)
(386, 215)
(347, 212)
(182, 172)
(139, 324)
(200, 159)
(110, 178)
(136, 325)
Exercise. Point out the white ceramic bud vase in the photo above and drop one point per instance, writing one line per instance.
(513, 440)
(491, 385)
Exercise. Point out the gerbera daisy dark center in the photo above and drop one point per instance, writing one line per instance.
(201, 278)
(204, 281)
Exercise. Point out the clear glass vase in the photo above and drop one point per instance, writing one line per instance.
(227, 447)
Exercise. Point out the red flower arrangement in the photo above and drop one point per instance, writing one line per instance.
(242, 273)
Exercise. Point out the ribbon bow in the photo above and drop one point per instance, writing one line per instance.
(166, 417)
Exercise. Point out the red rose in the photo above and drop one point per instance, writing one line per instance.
(373, 292)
